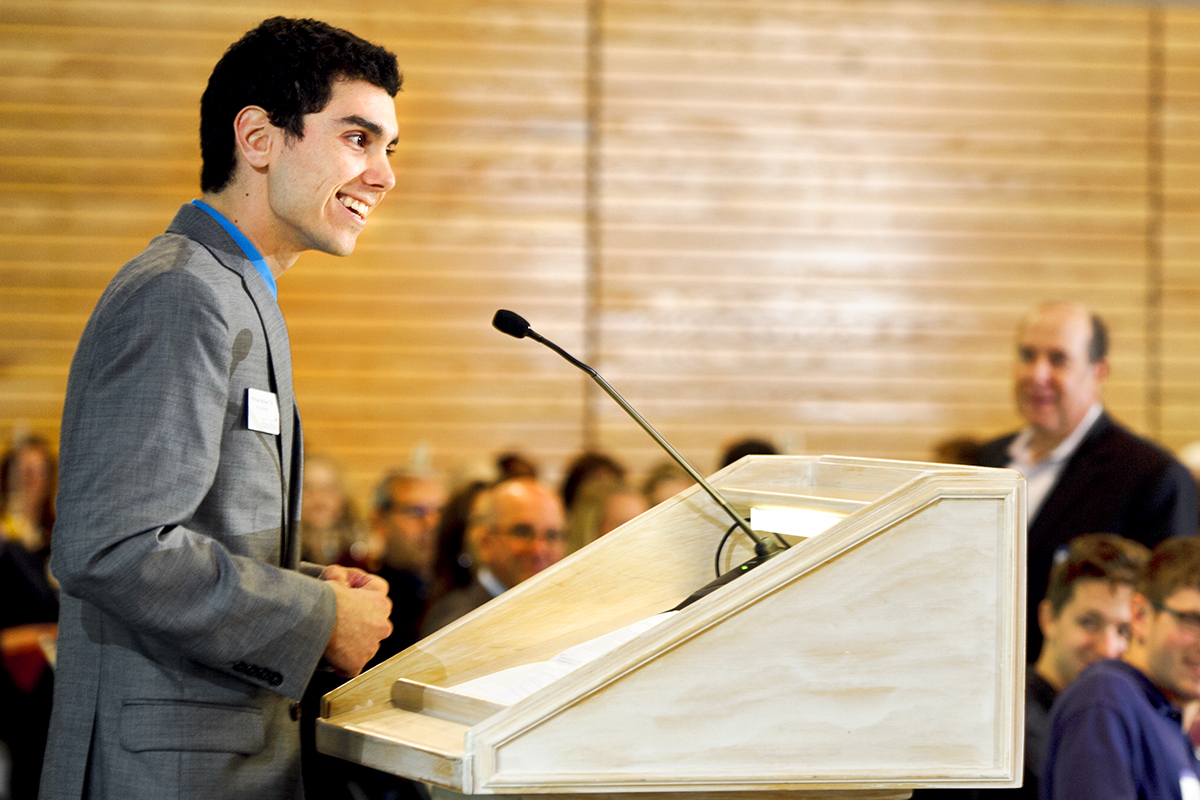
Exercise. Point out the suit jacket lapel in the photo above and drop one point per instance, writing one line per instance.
(198, 225)
(1074, 479)
(281, 373)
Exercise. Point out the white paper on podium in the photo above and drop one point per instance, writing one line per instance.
(512, 685)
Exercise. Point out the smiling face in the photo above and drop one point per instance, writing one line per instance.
(1166, 645)
(321, 188)
(525, 533)
(1093, 625)
(1056, 382)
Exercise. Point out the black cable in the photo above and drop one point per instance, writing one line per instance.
(720, 545)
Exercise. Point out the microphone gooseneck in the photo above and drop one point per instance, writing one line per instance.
(518, 327)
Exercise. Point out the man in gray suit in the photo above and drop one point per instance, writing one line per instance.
(188, 628)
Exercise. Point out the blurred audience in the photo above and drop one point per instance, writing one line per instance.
(601, 507)
(619, 505)
(1085, 618)
(1116, 731)
(408, 507)
(958, 450)
(522, 534)
(515, 465)
(749, 446)
(1189, 456)
(587, 468)
(665, 481)
(27, 486)
(455, 556)
(28, 609)
(1084, 472)
(408, 511)
(330, 529)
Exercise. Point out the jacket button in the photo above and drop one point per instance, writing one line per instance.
(295, 712)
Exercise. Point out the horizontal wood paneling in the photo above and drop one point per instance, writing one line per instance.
(818, 221)
(884, 187)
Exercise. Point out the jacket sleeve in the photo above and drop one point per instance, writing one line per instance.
(148, 403)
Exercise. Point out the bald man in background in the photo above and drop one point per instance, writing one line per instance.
(1085, 473)
(522, 533)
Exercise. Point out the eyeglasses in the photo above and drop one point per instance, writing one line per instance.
(527, 535)
(416, 512)
(1188, 620)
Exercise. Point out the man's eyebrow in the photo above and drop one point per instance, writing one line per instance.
(374, 128)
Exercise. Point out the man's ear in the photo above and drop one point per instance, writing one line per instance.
(1046, 618)
(1140, 612)
(1100, 369)
(254, 136)
(487, 543)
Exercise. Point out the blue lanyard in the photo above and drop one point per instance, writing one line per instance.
(247, 246)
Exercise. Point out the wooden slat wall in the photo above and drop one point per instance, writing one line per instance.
(822, 220)
(1180, 229)
(817, 221)
(392, 347)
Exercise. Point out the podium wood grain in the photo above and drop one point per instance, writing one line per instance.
(884, 654)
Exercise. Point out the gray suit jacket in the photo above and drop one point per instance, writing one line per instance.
(185, 626)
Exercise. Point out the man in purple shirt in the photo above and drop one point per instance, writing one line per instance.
(1116, 731)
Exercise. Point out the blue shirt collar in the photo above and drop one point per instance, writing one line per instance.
(247, 246)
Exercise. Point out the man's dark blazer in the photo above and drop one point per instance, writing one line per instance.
(1115, 482)
(455, 604)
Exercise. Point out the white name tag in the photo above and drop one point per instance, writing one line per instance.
(262, 411)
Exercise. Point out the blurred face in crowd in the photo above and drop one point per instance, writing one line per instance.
(525, 534)
(1166, 644)
(1055, 381)
(409, 526)
(1092, 626)
(620, 507)
(324, 497)
(477, 525)
(668, 488)
(29, 479)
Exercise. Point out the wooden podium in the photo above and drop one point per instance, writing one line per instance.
(883, 654)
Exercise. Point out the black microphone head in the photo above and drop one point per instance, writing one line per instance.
(511, 323)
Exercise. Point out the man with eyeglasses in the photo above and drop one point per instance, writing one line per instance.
(523, 533)
(1116, 732)
(408, 509)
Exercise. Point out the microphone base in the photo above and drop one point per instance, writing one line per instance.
(728, 577)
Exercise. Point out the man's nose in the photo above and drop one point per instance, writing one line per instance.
(379, 173)
(1038, 369)
(1111, 643)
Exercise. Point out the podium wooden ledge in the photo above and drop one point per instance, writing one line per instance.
(884, 654)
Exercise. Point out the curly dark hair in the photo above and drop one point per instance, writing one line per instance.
(286, 66)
